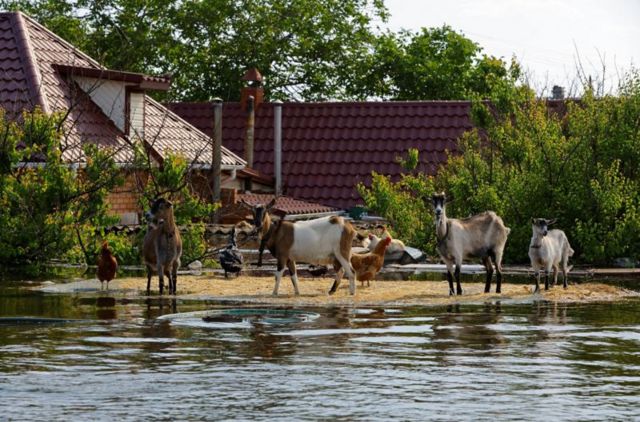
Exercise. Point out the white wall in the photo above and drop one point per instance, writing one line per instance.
(136, 115)
(108, 95)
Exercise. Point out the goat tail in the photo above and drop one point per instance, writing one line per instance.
(571, 251)
(507, 230)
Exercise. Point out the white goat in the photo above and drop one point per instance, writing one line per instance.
(395, 247)
(482, 236)
(320, 241)
(549, 249)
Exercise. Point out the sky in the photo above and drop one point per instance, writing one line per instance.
(546, 36)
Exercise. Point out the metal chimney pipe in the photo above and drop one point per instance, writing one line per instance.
(251, 122)
(277, 145)
(216, 165)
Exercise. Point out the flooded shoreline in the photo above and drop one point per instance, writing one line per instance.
(314, 292)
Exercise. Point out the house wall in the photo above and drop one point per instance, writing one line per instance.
(123, 201)
(136, 113)
(108, 95)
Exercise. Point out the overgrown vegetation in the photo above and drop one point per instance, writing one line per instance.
(581, 166)
(48, 206)
(55, 210)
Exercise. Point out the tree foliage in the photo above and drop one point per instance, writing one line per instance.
(581, 166)
(47, 204)
(306, 50)
(431, 64)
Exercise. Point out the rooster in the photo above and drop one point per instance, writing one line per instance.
(230, 257)
(367, 265)
(107, 265)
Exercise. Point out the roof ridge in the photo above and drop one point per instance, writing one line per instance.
(61, 40)
(176, 117)
(32, 71)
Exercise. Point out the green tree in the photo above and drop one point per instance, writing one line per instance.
(48, 205)
(305, 49)
(580, 166)
(432, 64)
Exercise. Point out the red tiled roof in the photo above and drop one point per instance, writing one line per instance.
(328, 148)
(285, 205)
(34, 71)
(140, 80)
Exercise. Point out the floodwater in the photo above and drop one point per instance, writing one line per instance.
(100, 357)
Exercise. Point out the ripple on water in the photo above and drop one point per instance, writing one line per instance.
(123, 340)
(467, 363)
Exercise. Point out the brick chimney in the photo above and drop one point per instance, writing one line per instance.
(254, 89)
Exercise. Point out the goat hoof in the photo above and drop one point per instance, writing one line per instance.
(331, 291)
(452, 293)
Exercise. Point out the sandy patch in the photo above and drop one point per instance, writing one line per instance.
(313, 292)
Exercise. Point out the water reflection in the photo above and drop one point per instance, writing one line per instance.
(116, 359)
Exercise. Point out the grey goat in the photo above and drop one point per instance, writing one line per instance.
(482, 236)
(548, 250)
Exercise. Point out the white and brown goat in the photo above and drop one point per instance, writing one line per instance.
(162, 245)
(548, 250)
(481, 236)
(320, 242)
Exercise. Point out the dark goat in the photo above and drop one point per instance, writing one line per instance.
(162, 245)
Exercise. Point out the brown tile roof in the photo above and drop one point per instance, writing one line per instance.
(286, 205)
(328, 148)
(34, 71)
(140, 80)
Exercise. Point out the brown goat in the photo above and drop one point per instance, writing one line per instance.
(162, 245)
(319, 241)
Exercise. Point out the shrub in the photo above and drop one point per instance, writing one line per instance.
(47, 204)
(581, 167)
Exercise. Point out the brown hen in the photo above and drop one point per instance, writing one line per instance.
(367, 265)
(107, 265)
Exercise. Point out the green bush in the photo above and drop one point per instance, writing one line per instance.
(581, 167)
(47, 205)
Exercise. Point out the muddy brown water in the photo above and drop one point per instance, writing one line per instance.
(98, 356)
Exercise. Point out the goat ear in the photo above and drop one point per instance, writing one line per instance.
(533, 220)
(271, 203)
